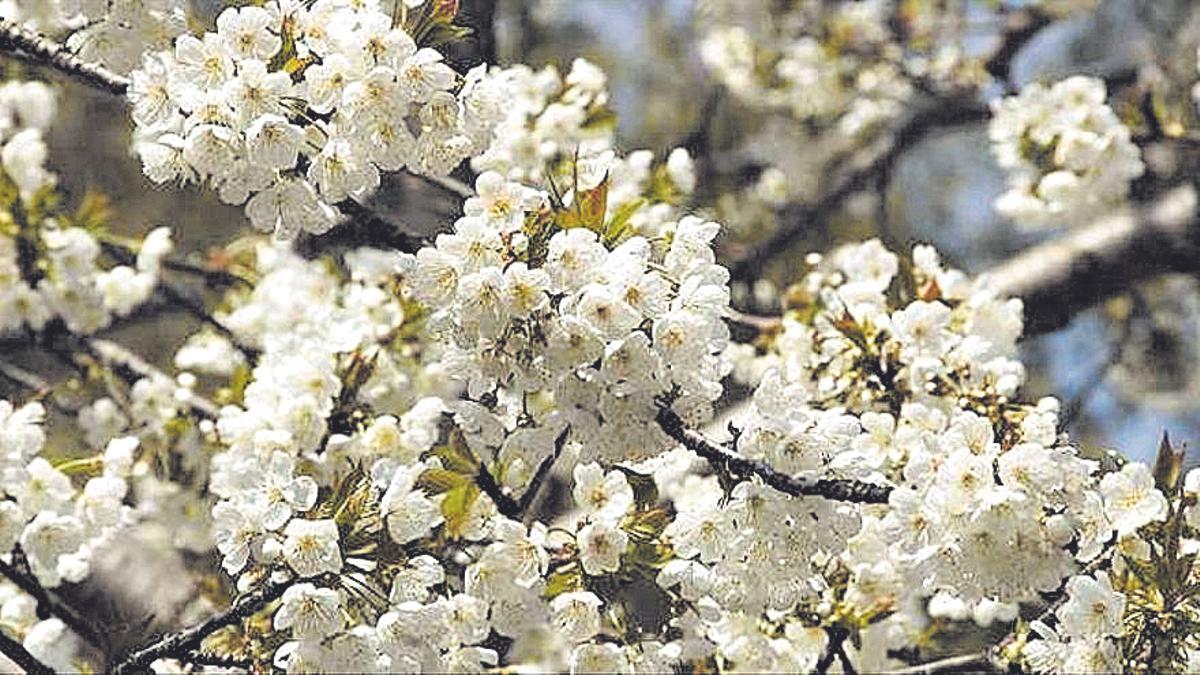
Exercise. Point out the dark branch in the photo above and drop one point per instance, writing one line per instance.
(505, 504)
(865, 168)
(185, 299)
(36, 49)
(1021, 27)
(17, 653)
(831, 488)
(181, 644)
(837, 636)
(50, 604)
(362, 227)
(543, 471)
(1061, 278)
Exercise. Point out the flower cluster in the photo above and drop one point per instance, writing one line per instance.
(292, 108)
(548, 118)
(57, 525)
(814, 62)
(534, 299)
(1068, 156)
(557, 134)
(113, 34)
(988, 505)
(1088, 620)
(49, 267)
(309, 326)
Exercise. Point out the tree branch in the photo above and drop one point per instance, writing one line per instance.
(17, 653)
(133, 367)
(875, 160)
(50, 604)
(186, 300)
(543, 471)
(1058, 279)
(1021, 27)
(835, 649)
(181, 644)
(505, 504)
(981, 662)
(32, 48)
(42, 390)
(840, 489)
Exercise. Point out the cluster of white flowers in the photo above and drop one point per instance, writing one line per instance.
(989, 507)
(1068, 156)
(113, 33)
(62, 277)
(607, 326)
(73, 286)
(557, 134)
(815, 61)
(291, 108)
(548, 118)
(57, 525)
(309, 326)
(1088, 621)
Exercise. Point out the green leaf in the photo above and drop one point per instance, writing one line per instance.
(456, 456)
(649, 554)
(587, 210)
(436, 481)
(600, 118)
(645, 491)
(618, 225)
(648, 524)
(456, 508)
(563, 580)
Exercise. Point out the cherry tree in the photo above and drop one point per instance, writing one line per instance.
(558, 430)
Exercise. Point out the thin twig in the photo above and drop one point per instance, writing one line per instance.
(16, 652)
(981, 662)
(877, 158)
(33, 48)
(197, 309)
(41, 388)
(201, 658)
(182, 643)
(133, 367)
(449, 184)
(214, 277)
(183, 298)
(50, 604)
(840, 489)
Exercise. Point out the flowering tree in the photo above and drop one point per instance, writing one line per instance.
(555, 434)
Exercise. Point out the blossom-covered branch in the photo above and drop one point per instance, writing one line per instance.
(181, 644)
(723, 460)
(51, 604)
(20, 43)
